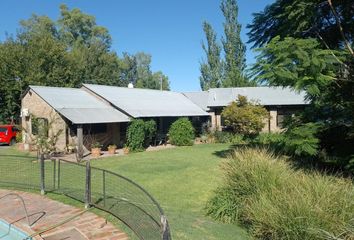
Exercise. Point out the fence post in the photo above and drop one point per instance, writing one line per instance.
(58, 174)
(54, 173)
(104, 187)
(42, 173)
(166, 235)
(88, 185)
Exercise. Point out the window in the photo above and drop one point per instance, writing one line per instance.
(40, 126)
(282, 116)
(3, 130)
(280, 120)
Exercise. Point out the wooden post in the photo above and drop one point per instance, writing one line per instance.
(80, 149)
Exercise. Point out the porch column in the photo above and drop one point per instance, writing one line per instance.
(218, 122)
(80, 149)
(273, 121)
(213, 120)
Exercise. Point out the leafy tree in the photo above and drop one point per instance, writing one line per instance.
(159, 78)
(129, 73)
(234, 48)
(244, 117)
(298, 63)
(303, 19)
(77, 28)
(211, 69)
(230, 71)
(308, 46)
(138, 72)
(63, 53)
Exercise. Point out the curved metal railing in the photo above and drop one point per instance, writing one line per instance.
(100, 188)
(23, 204)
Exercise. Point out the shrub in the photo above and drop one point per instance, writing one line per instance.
(140, 134)
(150, 131)
(302, 140)
(19, 137)
(227, 137)
(181, 132)
(136, 135)
(277, 202)
(273, 141)
(268, 139)
(244, 117)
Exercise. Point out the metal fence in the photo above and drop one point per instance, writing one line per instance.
(100, 188)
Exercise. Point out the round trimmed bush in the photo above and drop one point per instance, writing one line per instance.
(181, 132)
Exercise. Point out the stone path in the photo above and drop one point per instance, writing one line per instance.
(50, 212)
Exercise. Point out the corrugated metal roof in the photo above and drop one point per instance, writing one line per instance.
(199, 98)
(268, 96)
(146, 102)
(79, 106)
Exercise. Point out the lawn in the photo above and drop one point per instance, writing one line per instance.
(181, 179)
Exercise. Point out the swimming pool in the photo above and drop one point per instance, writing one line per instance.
(8, 232)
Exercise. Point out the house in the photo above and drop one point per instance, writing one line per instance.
(95, 113)
(279, 102)
(98, 113)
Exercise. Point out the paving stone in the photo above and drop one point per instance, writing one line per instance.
(88, 224)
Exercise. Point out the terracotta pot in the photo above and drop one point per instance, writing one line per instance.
(112, 150)
(96, 152)
(126, 150)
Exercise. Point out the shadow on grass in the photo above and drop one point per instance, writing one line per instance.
(228, 152)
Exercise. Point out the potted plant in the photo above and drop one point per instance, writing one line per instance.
(112, 149)
(96, 149)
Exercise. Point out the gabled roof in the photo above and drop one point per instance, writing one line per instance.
(199, 98)
(267, 96)
(79, 106)
(138, 102)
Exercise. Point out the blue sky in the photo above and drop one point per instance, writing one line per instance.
(171, 31)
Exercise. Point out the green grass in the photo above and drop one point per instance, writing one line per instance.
(276, 201)
(180, 179)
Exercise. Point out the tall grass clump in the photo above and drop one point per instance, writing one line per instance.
(274, 201)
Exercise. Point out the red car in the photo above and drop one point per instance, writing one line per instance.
(8, 134)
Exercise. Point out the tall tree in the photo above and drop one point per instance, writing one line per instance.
(307, 45)
(137, 70)
(233, 46)
(65, 53)
(211, 68)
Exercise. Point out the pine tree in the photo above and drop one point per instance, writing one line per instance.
(211, 68)
(234, 48)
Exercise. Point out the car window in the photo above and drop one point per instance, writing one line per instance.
(3, 130)
(14, 129)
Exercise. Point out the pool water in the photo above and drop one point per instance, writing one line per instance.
(8, 232)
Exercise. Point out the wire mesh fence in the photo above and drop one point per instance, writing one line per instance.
(96, 187)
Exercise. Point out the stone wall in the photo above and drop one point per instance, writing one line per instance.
(37, 107)
(270, 124)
